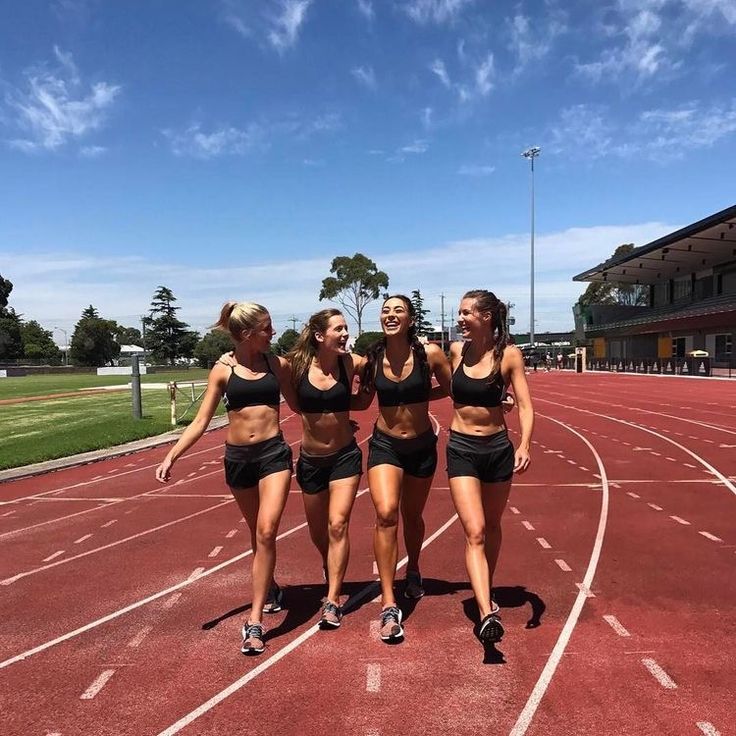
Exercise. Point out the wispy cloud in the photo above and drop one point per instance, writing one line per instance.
(92, 151)
(484, 75)
(286, 24)
(531, 38)
(224, 141)
(478, 78)
(417, 146)
(438, 68)
(366, 8)
(365, 75)
(476, 170)
(434, 11)
(53, 107)
(426, 116)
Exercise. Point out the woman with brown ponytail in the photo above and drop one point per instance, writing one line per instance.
(258, 462)
(480, 457)
(402, 454)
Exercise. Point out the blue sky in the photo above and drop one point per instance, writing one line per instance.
(230, 149)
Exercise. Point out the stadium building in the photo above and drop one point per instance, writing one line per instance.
(690, 279)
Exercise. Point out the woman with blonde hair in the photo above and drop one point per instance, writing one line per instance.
(258, 462)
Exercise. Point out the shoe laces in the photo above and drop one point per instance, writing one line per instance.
(253, 631)
(389, 615)
(330, 607)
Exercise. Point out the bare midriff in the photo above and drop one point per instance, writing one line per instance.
(479, 420)
(326, 433)
(404, 421)
(252, 424)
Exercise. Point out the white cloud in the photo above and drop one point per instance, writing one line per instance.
(54, 287)
(483, 76)
(366, 8)
(224, 141)
(480, 81)
(92, 151)
(286, 25)
(531, 39)
(53, 107)
(365, 75)
(417, 146)
(426, 117)
(436, 11)
(476, 170)
(438, 68)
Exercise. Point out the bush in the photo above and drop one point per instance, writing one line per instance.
(365, 340)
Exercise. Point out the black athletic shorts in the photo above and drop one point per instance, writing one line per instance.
(417, 456)
(245, 465)
(314, 472)
(490, 459)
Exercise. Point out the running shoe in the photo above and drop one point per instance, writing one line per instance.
(414, 588)
(331, 616)
(391, 628)
(274, 599)
(253, 639)
(490, 629)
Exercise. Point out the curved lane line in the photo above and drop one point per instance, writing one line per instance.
(527, 714)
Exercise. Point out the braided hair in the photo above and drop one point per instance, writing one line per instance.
(377, 349)
(487, 302)
(306, 346)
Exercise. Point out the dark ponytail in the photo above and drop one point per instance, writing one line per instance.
(488, 302)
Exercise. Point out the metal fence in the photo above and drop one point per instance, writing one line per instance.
(687, 366)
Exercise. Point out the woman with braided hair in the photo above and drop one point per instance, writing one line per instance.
(402, 454)
(480, 457)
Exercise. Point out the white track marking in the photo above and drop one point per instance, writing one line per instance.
(543, 543)
(725, 481)
(97, 685)
(616, 625)
(582, 467)
(231, 534)
(283, 652)
(659, 674)
(585, 590)
(632, 494)
(171, 602)
(514, 510)
(7, 513)
(530, 708)
(563, 565)
(527, 525)
(655, 507)
(375, 568)
(66, 560)
(53, 556)
(200, 573)
(712, 537)
(194, 574)
(708, 728)
(680, 520)
(109, 523)
(137, 640)
(216, 551)
(82, 539)
(373, 678)
(690, 465)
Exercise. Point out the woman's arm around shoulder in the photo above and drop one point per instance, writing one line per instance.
(362, 399)
(215, 388)
(282, 369)
(439, 367)
(512, 367)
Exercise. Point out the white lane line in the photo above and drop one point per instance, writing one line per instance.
(109, 523)
(616, 625)
(527, 525)
(373, 678)
(216, 551)
(284, 651)
(582, 467)
(689, 465)
(171, 602)
(66, 560)
(53, 556)
(563, 565)
(97, 685)
(671, 459)
(144, 601)
(708, 728)
(7, 513)
(137, 640)
(572, 462)
(712, 537)
(81, 539)
(514, 510)
(655, 507)
(543, 543)
(632, 494)
(375, 567)
(585, 590)
(231, 534)
(659, 674)
(680, 521)
(658, 454)
(194, 574)
(527, 714)
(192, 474)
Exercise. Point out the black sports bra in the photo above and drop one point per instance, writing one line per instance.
(414, 389)
(470, 391)
(313, 400)
(241, 392)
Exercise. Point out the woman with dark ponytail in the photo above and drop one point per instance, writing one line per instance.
(480, 457)
(402, 454)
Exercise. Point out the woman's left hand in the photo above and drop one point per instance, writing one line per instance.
(508, 403)
(521, 460)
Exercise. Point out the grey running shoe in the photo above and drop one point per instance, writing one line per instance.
(274, 599)
(391, 628)
(253, 639)
(490, 629)
(414, 588)
(331, 616)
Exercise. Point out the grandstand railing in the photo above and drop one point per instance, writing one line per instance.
(687, 366)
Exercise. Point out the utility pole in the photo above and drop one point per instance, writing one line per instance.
(531, 154)
(442, 298)
(293, 321)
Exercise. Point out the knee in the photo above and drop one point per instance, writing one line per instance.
(338, 528)
(387, 518)
(266, 535)
(476, 536)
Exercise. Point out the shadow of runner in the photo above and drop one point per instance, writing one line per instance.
(516, 596)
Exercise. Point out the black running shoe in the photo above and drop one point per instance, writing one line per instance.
(490, 629)
(253, 639)
(414, 588)
(391, 628)
(274, 599)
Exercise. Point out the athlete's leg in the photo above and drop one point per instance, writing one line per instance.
(495, 496)
(414, 496)
(316, 509)
(385, 485)
(341, 498)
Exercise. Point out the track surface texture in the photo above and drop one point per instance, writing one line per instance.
(121, 600)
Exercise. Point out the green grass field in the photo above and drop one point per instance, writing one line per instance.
(44, 430)
(11, 388)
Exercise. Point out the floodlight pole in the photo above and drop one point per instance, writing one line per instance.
(531, 154)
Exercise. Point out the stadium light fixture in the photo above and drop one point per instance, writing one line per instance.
(531, 153)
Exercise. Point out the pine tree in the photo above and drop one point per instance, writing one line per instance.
(167, 337)
(424, 326)
(93, 340)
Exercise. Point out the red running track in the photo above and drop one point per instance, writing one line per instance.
(122, 600)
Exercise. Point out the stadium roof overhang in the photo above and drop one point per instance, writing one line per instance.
(697, 247)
